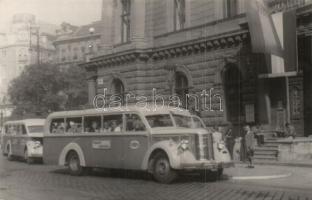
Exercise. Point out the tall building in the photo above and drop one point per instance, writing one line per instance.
(27, 42)
(75, 44)
(197, 49)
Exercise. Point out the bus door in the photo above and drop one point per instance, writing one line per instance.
(5, 137)
(106, 149)
(14, 138)
(135, 141)
(22, 139)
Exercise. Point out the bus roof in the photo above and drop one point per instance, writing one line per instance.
(148, 110)
(27, 122)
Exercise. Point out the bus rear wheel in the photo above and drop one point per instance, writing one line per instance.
(73, 162)
(162, 170)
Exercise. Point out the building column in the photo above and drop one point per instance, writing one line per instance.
(108, 28)
(138, 22)
(91, 87)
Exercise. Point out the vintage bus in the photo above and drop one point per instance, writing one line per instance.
(163, 142)
(23, 138)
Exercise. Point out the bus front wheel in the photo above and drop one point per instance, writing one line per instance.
(210, 176)
(73, 163)
(162, 170)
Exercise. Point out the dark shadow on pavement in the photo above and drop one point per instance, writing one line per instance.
(139, 175)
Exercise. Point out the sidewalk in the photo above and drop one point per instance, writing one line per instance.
(290, 163)
(260, 172)
(271, 175)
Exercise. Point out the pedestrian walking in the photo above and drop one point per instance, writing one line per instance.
(250, 145)
(229, 140)
(237, 149)
(217, 134)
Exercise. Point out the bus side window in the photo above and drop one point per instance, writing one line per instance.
(92, 124)
(57, 126)
(74, 125)
(24, 132)
(134, 123)
(112, 123)
(14, 129)
(18, 129)
(6, 129)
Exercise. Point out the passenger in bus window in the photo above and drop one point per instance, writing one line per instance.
(116, 126)
(61, 128)
(106, 127)
(138, 124)
(79, 128)
(53, 128)
(11, 129)
(71, 127)
(94, 127)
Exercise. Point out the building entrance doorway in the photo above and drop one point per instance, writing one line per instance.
(232, 80)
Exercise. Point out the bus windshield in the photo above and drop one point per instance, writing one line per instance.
(35, 129)
(198, 123)
(183, 121)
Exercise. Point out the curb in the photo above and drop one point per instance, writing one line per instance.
(276, 163)
(261, 177)
(285, 164)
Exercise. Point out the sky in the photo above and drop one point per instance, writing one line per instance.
(76, 12)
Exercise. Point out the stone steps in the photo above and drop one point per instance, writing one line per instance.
(267, 152)
(258, 158)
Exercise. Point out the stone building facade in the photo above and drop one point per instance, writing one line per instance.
(75, 44)
(201, 48)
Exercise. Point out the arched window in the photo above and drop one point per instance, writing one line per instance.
(118, 89)
(181, 87)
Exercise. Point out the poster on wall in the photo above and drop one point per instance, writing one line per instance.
(250, 113)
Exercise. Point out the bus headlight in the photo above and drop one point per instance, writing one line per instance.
(220, 146)
(184, 145)
(36, 144)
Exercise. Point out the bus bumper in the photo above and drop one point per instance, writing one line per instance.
(200, 165)
(226, 164)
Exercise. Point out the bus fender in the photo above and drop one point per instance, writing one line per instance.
(72, 147)
(169, 147)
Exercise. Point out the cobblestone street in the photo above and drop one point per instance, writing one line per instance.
(19, 181)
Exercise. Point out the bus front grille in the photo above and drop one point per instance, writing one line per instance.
(208, 147)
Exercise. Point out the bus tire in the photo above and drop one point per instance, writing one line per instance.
(162, 171)
(220, 172)
(28, 159)
(208, 175)
(73, 162)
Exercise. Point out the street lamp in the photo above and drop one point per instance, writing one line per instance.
(91, 32)
(90, 46)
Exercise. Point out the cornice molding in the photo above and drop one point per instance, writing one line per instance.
(230, 39)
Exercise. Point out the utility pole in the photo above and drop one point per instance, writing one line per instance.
(38, 46)
(37, 34)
